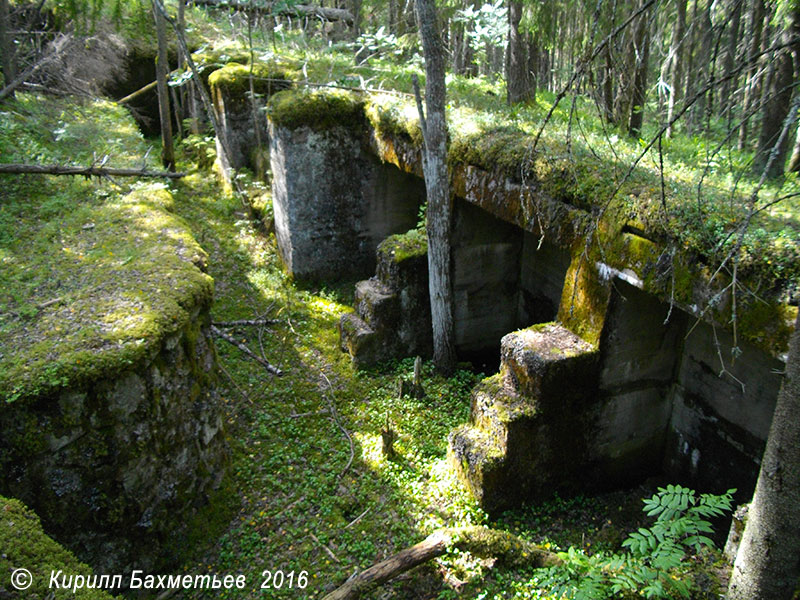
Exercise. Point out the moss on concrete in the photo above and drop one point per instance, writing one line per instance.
(317, 110)
(234, 78)
(25, 545)
(91, 279)
(403, 246)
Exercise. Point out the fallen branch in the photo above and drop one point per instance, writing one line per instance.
(328, 551)
(481, 541)
(358, 518)
(246, 323)
(270, 368)
(288, 9)
(139, 92)
(22, 169)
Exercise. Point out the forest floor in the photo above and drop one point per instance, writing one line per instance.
(311, 491)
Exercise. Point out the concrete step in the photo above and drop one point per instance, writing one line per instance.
(496, 406)
(479, 463)
(359, 340)
(377, 304)
(549, 365)
(513, 449)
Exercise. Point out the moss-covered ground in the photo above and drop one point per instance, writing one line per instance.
(93, 273)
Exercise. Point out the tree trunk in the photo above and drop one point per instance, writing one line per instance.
(776, 109)
(639, 92)
(752, 78)
(480, 541)
(726, 100)
(434, 130)
(767, 565)
(794, 161)
(162, 71)
(517, 84)
(533, 66)
(392, 16)
(608, 85)
(676, 71)
(6, 46)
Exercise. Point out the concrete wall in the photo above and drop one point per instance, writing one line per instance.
(543, 267)
(639, 355)
(117, 467)
(719, 426)
(486, 270)
(334, 203)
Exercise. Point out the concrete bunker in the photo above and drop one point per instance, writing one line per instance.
(111, 427)
(600, 388)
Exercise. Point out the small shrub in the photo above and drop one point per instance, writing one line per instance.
(655, 565)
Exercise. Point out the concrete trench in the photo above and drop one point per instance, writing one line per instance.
(623, 391)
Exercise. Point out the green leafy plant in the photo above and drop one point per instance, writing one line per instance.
(655, 565)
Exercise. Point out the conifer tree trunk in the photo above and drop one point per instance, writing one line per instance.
(162, 71)
(752, 88)
(6, 46)
(767, 565)
(434, 130)
(516, 63)
(639, 92)
(725, 96)
(778, 104)
(676, 71)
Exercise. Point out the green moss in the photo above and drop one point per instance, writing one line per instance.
(318, 110)
(767, 325)
(403, 246)
(392, 118)
(584, 300)
(234, 79)
(25, 545)
(91, 280)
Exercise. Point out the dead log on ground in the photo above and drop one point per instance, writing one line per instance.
(22, 169)
(290, 10)
(481, 541)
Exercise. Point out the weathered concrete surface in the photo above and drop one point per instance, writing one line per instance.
(720, 421)
(543, 268)
(117, 467)
(528, 429)
(639, 354)
(486, 272)
(334, 203)
(392, 315)
(243, 119)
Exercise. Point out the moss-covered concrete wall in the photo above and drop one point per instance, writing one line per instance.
(241, 113)
(115, 467)
(613, 276)
(26, 546)
(111, 427)
(333, 201)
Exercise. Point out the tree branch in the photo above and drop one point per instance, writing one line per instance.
(481, 541)
(90, 171)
